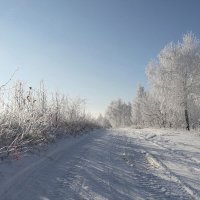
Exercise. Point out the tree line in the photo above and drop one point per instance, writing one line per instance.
(173, 99)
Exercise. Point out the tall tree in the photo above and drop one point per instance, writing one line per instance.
(175, 75)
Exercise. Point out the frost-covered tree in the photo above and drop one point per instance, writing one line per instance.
(137, 112)
(146, 110)
(127, 114)
(103, 122)
(175, 76)
(119, 113)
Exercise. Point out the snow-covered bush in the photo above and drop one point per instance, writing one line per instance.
(31, 116)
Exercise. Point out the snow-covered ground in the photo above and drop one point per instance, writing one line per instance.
(108, 164)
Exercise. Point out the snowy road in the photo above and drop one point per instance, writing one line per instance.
(101, 165)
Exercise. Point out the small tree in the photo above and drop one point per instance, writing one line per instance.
(103, 122)
(119, 113)
(137, 114)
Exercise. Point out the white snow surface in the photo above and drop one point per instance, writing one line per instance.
(111, 164)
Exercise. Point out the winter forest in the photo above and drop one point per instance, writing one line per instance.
(32, 116)
(172, 98)
(100, 100)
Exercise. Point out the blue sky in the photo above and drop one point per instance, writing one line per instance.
(95, 49)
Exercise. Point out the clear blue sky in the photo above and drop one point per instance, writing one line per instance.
(95, 49)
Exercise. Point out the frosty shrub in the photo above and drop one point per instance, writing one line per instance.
(31, 117)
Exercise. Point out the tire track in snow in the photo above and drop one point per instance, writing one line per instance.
(182, 185)
(93, 168)
(152, 185)
(194, 193)
(39, 180)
